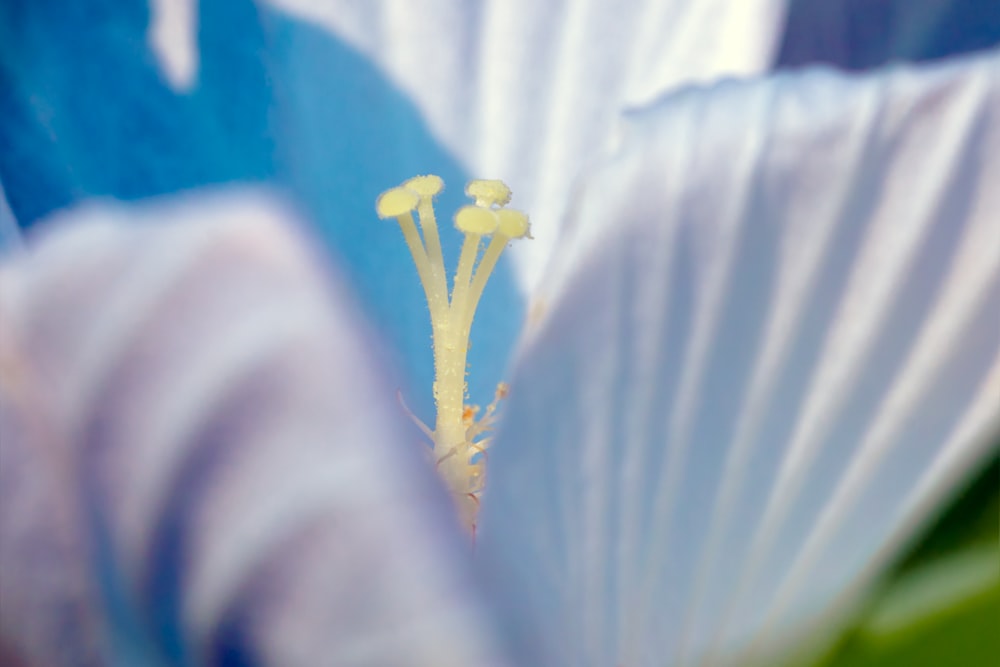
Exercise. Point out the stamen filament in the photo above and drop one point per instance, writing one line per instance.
(416, 247)
(489, 261)
(428, 225)
(463, 276)
(418, 422)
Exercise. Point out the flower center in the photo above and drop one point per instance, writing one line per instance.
(461, 434)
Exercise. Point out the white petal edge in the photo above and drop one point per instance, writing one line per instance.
(772, 332)
(10, 233)
(213, 407)
(530, 92)
(173, 39)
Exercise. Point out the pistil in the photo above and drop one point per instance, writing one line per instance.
(460, 439)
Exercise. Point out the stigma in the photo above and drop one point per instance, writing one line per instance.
(462, 433)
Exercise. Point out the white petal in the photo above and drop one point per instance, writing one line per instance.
(173, 37)
(214, 450)
(772, 335)
(529, 91)
(10, 233)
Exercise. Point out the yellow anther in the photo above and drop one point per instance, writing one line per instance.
(512, 224)
(396, 202)
(425, 186)
(476, 220)
(488, 192)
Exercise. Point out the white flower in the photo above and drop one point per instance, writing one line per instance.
(765, 341)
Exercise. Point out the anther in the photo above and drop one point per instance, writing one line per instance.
(396, 202)
(512, 224)
(425, 186)
(488, 192)
(476, 220)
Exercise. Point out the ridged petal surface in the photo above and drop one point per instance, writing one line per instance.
(770, 339)
(530, 91)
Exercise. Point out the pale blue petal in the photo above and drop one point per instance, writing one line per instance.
(199, 461)
(347, 135)
(88, 108)
(530, 91)
(772, 336)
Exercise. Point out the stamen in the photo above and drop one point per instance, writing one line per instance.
(426, 188)
(417, 421)
(460, 435)
(488, 192)
(475, 222)
(399, 203)
(510, 225)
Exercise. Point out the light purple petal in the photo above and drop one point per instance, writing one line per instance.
(771, 337)
(530, 91)
(199, 459)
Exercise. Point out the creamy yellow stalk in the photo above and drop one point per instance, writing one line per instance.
(460, 434)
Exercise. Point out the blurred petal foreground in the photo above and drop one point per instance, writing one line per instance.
(198, 462)
(763, 341)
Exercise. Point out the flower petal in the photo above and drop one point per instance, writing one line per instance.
(773, 332)
(198, 460)
(10, 234)
(94, 112)
(172, 33)
(859, 34)
(529, 91)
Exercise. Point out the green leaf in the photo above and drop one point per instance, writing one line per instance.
(939, 604)
(971, 520)
(950, 618)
